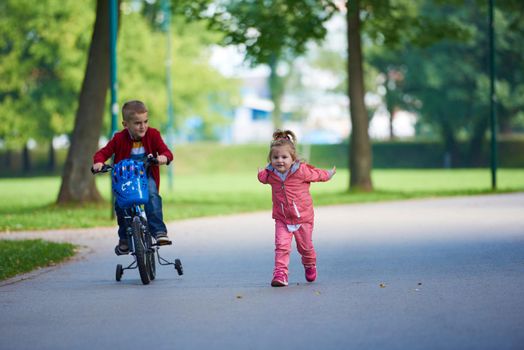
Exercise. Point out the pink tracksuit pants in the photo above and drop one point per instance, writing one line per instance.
(303, 239)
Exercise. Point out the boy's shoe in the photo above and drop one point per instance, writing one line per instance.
(279, 280)
(162, 239)
(122, 248)
(311, 273)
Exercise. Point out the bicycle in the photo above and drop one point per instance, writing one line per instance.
(129, 184)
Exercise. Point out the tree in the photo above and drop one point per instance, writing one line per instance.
(449, 79)
(391, 23)
(141, 78)
(77, 183)
(199, 91)
(270, 32)
(42, 46)
(360, 158)
(509, 49)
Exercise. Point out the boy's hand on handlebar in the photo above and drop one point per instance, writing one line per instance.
(97, 167)
(161, 159)
(158, 160)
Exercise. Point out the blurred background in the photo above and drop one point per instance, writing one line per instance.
(236, 70)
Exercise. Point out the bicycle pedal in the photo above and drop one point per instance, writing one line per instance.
(164, 243)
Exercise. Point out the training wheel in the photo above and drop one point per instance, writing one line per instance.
(119, 272)
(178, 267)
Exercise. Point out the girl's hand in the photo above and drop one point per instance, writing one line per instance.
(332, 172)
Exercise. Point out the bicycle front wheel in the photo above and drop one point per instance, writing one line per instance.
(150, 257)
(141, 255)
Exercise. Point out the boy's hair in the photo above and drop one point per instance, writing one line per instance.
(132, 108)
(284, 138)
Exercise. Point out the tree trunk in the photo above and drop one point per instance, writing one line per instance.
(9, 161)
(78, 184)
(476, 143)
(391, 112)
(504, 121)
(276, 91)
(452, 154)
(26, 159)
(360, 147)
(51, 161)
(390, 106)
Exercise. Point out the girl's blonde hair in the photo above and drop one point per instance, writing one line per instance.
(284, 138)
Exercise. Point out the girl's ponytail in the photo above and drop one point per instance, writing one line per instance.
(284, 138)
(285, 135)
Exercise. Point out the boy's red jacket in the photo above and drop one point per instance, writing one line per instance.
(292, 202)
(122, 143)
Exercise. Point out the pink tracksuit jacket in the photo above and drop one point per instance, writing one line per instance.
(292, 203)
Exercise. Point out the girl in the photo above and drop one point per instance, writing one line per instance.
(292, 204)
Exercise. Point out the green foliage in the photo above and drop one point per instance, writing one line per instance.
(23, 256)
(268, 29)
(269, 32)
(395, 23)
(444, 76)
(198, 90)
(398, 30)
(509, 45)
(43, 48)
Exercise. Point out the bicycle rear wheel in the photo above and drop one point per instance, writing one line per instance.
(141, 254)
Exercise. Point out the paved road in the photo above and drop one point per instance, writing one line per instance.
(419, 274)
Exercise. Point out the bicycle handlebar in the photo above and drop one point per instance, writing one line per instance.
(150, 160)
(105, 168)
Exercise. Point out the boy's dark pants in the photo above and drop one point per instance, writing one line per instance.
(153, 210)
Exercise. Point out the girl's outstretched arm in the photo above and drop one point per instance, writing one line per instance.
(332, 172)
(263, 175)
(312, 174)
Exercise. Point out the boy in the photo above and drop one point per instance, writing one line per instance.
(136, 141)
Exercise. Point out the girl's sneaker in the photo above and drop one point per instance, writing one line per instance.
(279, 280)
(311, 273)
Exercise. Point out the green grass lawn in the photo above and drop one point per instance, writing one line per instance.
(28, 203)
(23, 256)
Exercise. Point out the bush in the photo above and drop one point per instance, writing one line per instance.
(208, 157)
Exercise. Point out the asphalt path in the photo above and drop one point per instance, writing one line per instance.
(417, 274)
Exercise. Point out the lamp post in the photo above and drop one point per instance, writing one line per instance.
(492, 101)
(166, 26)
(113, 25)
